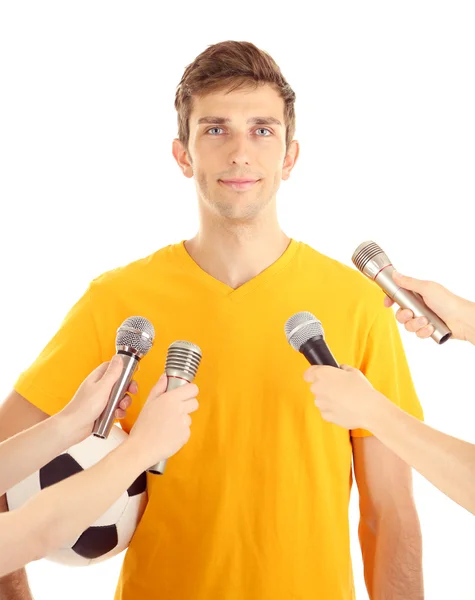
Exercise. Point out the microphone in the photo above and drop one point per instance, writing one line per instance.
(181, 365)
(133, 340)
(305, 334)
(375, 264)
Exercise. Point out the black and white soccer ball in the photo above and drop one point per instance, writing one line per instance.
(111, 533)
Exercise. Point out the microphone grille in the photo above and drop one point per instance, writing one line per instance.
(183, 356)
(364, 253)
(301, 327)
(137, 333)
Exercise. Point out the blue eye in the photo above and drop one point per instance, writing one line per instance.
(214, 129)
(263, 129)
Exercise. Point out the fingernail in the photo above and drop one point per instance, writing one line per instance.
(422, 321)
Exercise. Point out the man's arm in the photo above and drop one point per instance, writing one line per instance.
(390, 534)
(16, 414)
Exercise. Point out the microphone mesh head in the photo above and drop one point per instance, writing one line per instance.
(364, 253)
(137, 333)
(184, 357)
(301, 327)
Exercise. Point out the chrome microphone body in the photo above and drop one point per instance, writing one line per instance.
(370, 259)
(134, 339)
(183, 360)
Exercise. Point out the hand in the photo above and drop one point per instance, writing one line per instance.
(91, 399)
(457, 312)
(344, 396)
(163, 425)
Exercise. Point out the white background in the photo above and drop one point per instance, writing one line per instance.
(386, 121)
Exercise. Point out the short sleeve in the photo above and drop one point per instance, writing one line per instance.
(73, 352)
(385, 364)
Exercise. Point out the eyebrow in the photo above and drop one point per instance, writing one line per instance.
(252, 121)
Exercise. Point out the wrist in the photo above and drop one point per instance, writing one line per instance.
(379, 413)
(65, 430)
(140, 454)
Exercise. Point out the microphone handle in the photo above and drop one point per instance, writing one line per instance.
(317, 352)
(173, 383)
(104, 422)
(412, 301)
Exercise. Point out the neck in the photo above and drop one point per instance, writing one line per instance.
(236, 252)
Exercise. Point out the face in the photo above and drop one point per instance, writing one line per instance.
(237, 151)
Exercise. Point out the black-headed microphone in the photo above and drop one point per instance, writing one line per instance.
(133, 340)
(305, 334)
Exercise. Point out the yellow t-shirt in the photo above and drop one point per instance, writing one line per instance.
(255, 506)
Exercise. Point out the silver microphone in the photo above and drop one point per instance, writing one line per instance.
(133, 340)
(183, 360)
(375, 264)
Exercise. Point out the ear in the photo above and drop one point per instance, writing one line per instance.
(180, 153)
(290, 159)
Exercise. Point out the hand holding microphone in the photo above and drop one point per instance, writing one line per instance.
(163, 425)
(183, 360)
(370, 259)
(457, 312)
(77, 417)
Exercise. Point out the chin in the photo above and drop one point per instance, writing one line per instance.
(238, 211)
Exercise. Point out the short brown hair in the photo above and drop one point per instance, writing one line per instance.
(231, 65)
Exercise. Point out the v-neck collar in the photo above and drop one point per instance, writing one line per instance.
(225, 290)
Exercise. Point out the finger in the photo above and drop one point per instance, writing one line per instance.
(133, 387)
(98, 372)
(120, 414)
(425, 332)
(125, 402)
(403, 315)
(315, 389)
(348, 368)
(388, 302)
(183, 393)
(312, 373)
(187, 420)
(160, 387)
(112, 372)
(415, 324)
(409, 283)
(190, 406)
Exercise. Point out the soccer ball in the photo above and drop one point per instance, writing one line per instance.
(111, 533)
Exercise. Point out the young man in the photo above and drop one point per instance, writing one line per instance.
(65, 510)
(346, 398)
(255, 506)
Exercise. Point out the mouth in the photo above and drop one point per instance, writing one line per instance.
(239, 184)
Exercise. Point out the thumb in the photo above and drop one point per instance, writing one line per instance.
(348, 368)
(409, 283)
(112, 372)
(160, 387)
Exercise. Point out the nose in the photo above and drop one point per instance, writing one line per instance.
(240, 152)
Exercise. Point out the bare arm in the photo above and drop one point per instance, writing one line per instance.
(65, 510)
(389, 532)
(29, 450)
(447, 462)
(345, 397)
(16, 414)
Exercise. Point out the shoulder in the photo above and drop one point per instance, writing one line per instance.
(134, 273)
(340, 280)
